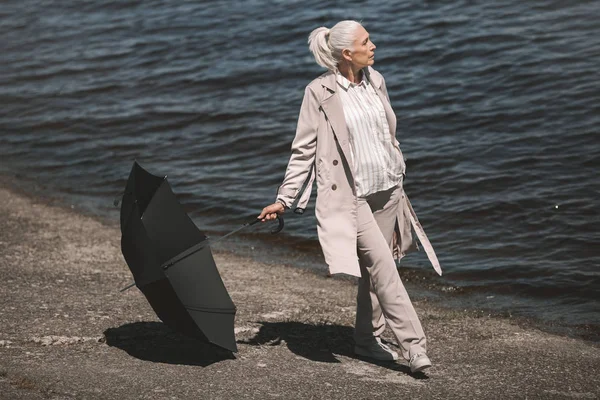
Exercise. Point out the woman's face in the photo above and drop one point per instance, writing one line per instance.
(363, 54)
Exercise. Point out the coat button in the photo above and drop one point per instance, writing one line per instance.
(335, 162)
(333, 187)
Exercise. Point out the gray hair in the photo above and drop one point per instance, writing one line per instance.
(327, 44)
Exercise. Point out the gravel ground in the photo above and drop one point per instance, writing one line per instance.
(67, 333)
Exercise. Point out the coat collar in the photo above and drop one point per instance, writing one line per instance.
(334, 112)
(330, 83)
(332, 105)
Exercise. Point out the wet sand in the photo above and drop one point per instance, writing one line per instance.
(67, 333)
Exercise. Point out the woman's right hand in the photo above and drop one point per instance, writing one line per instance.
(271, 212)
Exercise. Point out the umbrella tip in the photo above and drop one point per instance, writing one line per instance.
(118, 199)
(127, 287)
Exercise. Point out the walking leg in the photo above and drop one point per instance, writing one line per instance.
(377, 264)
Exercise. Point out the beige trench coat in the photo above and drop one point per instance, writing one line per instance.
(322, 146)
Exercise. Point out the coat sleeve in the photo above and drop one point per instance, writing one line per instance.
(304, 149)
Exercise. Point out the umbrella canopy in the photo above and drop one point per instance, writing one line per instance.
(171, 262)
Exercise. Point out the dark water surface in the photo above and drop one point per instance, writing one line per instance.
(498, 105)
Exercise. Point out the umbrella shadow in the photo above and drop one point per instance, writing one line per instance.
(156, 342)
(318, 342)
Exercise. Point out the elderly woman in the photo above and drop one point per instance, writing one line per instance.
(346, 134)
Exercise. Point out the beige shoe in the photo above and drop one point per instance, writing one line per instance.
(376, 350)
(418, 362)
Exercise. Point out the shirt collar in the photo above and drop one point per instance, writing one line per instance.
(346, 84)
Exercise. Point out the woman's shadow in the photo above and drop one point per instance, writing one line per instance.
(156, 342)
(320, 342)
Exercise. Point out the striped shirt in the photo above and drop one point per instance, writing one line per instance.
(378, 165)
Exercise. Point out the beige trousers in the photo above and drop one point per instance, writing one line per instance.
(381, 295)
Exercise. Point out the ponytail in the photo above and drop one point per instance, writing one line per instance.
(327, 45)
(318, 43)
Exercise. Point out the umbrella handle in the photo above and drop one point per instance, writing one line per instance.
(279, 226)
(274, 230)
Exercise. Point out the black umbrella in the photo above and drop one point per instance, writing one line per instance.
(171, 261)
